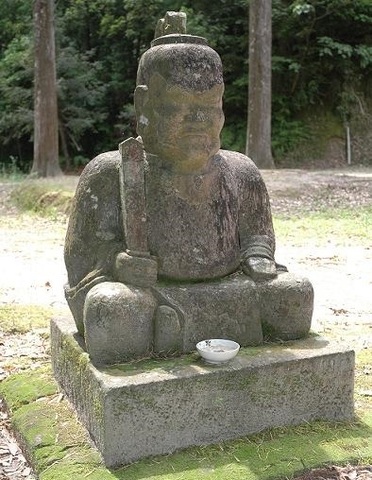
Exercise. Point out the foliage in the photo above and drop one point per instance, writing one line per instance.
(81, 96)
(322, 56)
(10, 172)
(115, 33)
(287, 134)
(15, 21)
(312, 68)
(16, 73)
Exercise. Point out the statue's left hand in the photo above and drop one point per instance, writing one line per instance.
(131, 269)
(259, 269)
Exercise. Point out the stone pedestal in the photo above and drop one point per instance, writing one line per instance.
(155, 407)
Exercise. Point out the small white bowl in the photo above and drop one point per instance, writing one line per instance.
(217, 350)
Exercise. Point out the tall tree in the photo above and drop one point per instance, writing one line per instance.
(258, 145)
(45, 163)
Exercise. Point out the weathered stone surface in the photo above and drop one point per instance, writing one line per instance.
(134, 411)
(118, 322)
(125, 321)
(173, 22)
(132, 185)
(168, 334)
(221, 309)
(171, 242)
(136, 270)
(286, 307)
(198, 225)
(175, 216)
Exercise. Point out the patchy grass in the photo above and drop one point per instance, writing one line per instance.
(344, 225)
(24, 318)
(43, 196)
(363, 383)
(60, 448)
(10, 173)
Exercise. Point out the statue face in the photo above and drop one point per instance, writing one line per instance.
(181, 126)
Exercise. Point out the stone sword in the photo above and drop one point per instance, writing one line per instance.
(132, 186)
(134, 266)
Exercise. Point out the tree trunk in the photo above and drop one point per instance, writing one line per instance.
(45, 162)
(258, 145)
(64, 148)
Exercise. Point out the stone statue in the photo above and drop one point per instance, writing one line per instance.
(170, 239)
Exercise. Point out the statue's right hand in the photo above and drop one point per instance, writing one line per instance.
(140, 271)
(259, 269)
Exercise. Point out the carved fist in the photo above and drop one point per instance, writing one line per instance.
(259, 269)
(140, 271)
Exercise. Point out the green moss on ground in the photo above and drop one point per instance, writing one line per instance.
(52, 435)
(59, 446)
(25, 388)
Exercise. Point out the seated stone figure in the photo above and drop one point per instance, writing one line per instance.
(170, 239)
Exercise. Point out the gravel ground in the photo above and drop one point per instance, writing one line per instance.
(31, 254)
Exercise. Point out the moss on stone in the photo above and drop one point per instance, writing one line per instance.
(152, 364)
(60, 448)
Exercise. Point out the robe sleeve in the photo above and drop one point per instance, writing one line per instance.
(256, 232)
(95, 231)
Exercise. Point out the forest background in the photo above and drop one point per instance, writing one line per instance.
(321, 75)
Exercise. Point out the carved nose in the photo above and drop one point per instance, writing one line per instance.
(200, 116)
(197, 116)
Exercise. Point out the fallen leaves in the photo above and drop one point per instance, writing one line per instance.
(339, 473)
(339, 311)
(18, 352)
(13, 464)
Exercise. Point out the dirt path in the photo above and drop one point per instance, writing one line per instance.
(31, 256)
(341, 274)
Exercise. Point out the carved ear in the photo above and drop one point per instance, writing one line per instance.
(140, 99)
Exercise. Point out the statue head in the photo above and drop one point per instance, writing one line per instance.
(178, 101)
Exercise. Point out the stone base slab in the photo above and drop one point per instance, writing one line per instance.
(157, 406)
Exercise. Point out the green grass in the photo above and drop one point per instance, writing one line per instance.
(23, 318)
(10, 173)
(43, 196)
(363, 383)
(345, 226)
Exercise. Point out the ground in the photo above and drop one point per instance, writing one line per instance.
(31, 254)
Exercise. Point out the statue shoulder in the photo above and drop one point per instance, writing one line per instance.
(99, 177)
(239, 162)
(103, 163)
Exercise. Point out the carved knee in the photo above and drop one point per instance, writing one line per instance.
(286, 305)
(118, 322)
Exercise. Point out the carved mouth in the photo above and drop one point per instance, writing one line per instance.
(196, 133)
